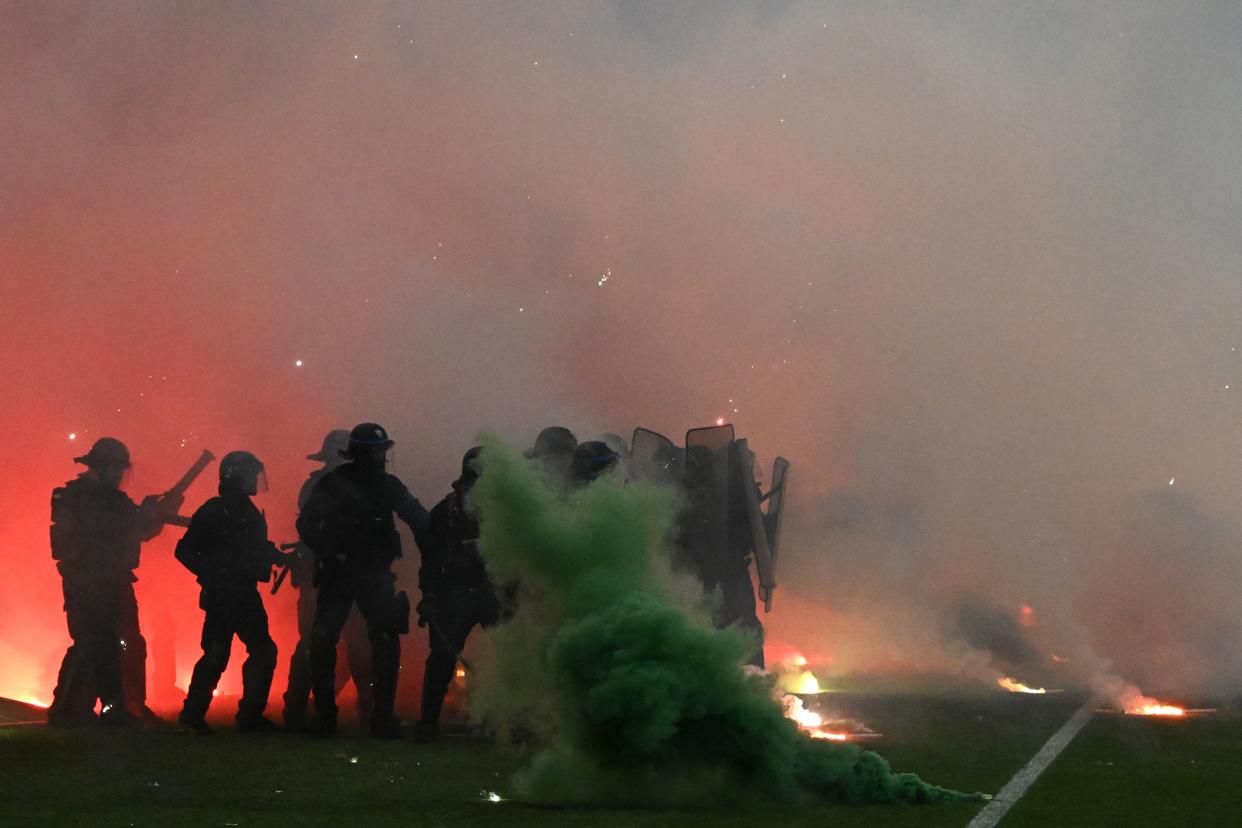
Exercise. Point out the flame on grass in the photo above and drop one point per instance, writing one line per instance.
(810, 722)
(1015, 686)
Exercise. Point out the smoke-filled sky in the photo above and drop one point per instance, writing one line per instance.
(974, 268)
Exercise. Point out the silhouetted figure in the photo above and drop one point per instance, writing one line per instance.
(96, 535)
(457, 594)
(554, 451)
(302, 573)
(590, 461)
(348, 521)
(227, 549)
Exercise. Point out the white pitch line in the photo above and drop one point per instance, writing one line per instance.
(1023, 779)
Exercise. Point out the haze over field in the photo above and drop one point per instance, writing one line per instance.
(974, 270)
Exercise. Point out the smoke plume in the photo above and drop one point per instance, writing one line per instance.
(607, 662)
(972, 267)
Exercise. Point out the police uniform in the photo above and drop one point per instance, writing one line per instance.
(227, 548)
(457, 593)
(96, 535)
(348, 521)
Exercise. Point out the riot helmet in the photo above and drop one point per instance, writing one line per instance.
(243, 471)
(107, 461)
(334, 442)
(553, 441)
(106, 451)
(591, 459)
(368, 445)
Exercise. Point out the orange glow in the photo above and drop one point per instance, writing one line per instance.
(794, 677)
(1015, 686)
(720, 421)
(1026, 616)
(1151, 707)
(810, 722)
(33, 701)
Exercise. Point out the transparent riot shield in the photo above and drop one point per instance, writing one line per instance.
(776, 506)
(654, 458)
(754, 529)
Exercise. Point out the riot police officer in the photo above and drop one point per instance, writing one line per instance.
(302, 571)
(457, 593)
(227, 548)
(96, 535)
(348, 521)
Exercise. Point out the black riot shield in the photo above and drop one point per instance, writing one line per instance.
(709, 470)
(654, 458)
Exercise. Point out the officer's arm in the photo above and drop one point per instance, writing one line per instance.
(150, 517)
(411, 511)
(63, 529)
(433, 549)
(311, 518)
(195, 548)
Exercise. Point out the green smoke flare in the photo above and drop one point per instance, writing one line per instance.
(615, 670)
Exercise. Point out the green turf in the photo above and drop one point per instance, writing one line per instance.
(100, 777)
(1134, 771)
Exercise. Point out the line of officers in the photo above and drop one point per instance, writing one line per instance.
(347, 545)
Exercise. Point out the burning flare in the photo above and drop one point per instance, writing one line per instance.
(1015, 686)
(794, 677)
(1147, 706)
(810, 722)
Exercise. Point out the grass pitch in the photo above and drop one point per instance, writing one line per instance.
(1120, 771)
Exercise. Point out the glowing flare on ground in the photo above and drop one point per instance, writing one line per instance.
(794, 677)
(1015, 686)
(31, 700)
(1151, 707)
(810, 722)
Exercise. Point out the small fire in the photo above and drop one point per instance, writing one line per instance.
(1146, 706)
(720, 421)
(794, 677)
(810, 722)
(1015, 686)
(31, 700)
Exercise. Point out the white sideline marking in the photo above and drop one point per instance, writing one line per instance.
(1016, 787)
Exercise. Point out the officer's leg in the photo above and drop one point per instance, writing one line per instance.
(298, 691)
(260, 658)
(332, 605)
(133, 654)
(73, 699)
(448, 631)
(217, 640)
(102, 642)
(377, 601)
(358, 657)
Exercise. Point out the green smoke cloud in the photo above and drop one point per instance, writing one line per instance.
(612, 666)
